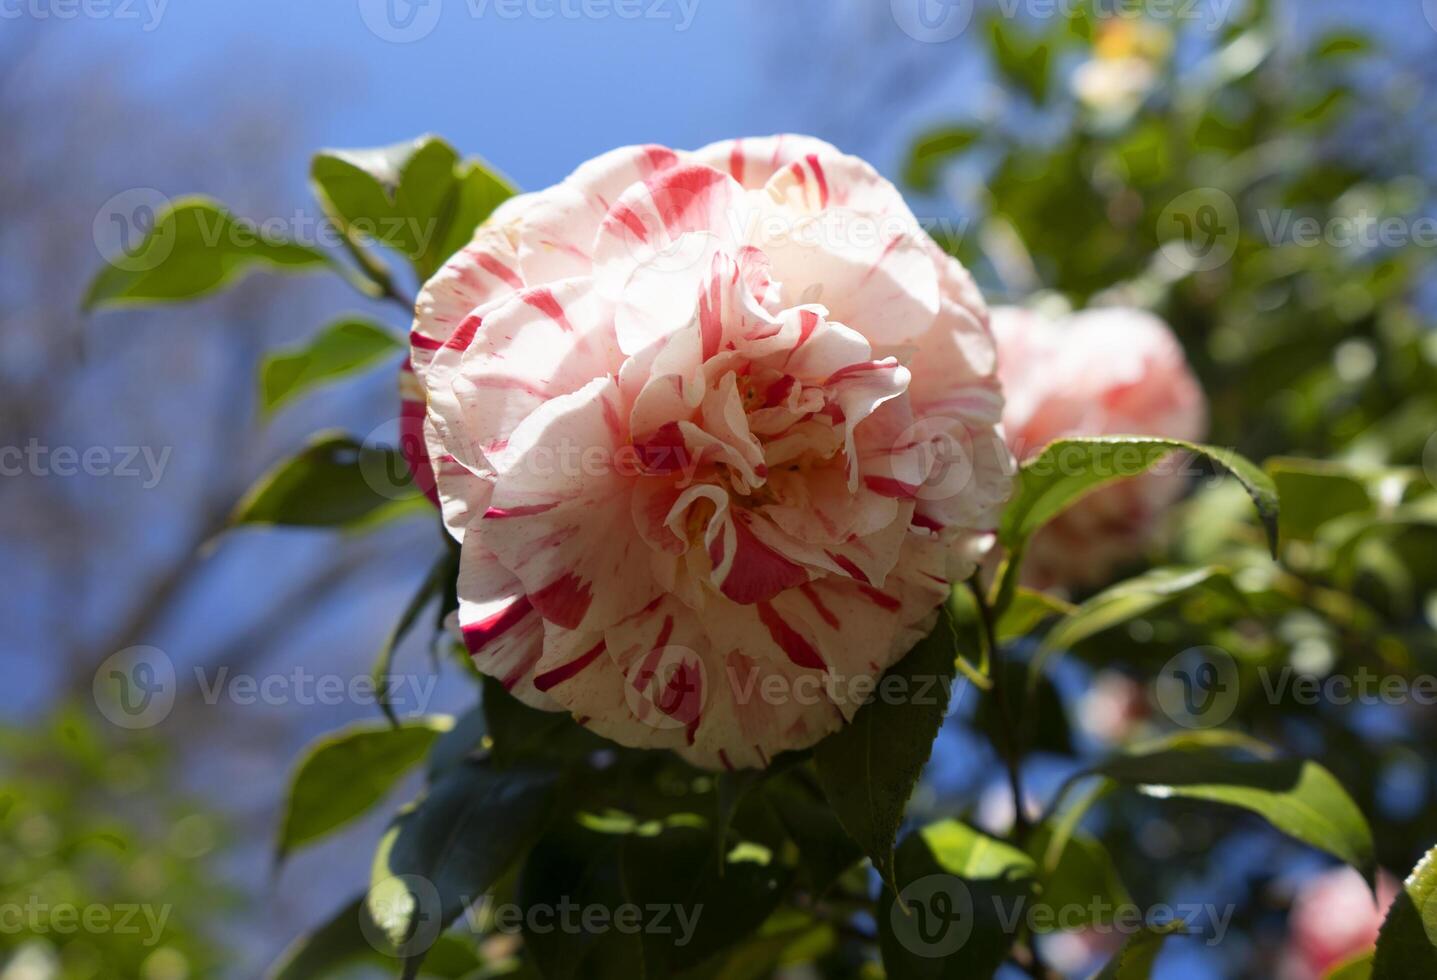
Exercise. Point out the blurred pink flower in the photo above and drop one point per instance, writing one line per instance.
(1333, 919)
(716, 431)
(1099, 372)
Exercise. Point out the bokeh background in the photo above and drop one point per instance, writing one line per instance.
(1155, 153)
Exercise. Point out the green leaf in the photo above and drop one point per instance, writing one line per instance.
(1407, 945)
(963, 899)
(1132, 598)
(351, 938)
(1084, 889)
(195, 248)
(458, 745)
(345, 773)
(1315, 492)
(333, 482)
(525, 736)
(386, 194)
(825, 850)
(1358, 967)
(1342, 44)
(788, 937)
(448, 850)
(1024, 61)
(1027, 611)
(441, 577)
(932, 150)
(1070, 469)
(1298, 797)
(478, 192)
(415, 197)
(1135, 960)
(1046, 727)
(869, 768)
(705, 908)
(343, 348)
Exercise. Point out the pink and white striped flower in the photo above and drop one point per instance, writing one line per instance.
(682, 412)
(1106, 371)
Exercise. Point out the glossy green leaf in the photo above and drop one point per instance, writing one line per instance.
(195, 248)
(448, 850)
(342, 775)
(870, 767)
(333, 482)
(478, 191)
(1407, 944)
(341, 349)
(416, 197)
(964, 899)
(1298, 797)
(1069, 469)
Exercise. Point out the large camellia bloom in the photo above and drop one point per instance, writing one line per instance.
(716, 431)
(1100, 372)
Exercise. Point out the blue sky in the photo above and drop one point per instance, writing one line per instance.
(535, 95)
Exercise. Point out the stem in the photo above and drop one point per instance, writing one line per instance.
(1012, 753)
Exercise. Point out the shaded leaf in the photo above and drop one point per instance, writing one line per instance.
(825, 850)
(351, 938)
(440, 578)
(458, 745)
(964, 895)
(333, 482)
(522, 735)
(448, 850)
(689, 908)
(869, 768)
(1407, 944)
